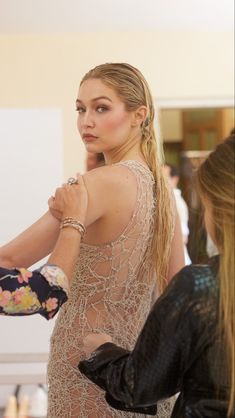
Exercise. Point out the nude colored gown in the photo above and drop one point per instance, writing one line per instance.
(111, 293)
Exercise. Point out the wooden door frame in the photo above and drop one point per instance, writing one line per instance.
(194, 103)
(184, 104)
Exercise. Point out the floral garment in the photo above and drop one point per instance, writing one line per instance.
(23, 292)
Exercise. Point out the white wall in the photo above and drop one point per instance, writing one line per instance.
(45, 70)
(31, 166)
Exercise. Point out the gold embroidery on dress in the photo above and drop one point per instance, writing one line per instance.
(111, 293)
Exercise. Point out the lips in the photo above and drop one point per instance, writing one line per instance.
(89, 137)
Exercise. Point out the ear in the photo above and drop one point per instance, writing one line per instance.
(139, 115)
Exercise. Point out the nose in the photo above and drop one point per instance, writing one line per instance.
(88, 120)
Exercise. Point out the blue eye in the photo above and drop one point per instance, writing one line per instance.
(101, 109)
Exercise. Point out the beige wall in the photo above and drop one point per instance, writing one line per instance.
(171, 125)
(44, 71)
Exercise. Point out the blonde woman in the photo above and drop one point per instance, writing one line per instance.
(133, 243)
(191, 350)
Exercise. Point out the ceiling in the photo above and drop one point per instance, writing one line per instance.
(20, 16)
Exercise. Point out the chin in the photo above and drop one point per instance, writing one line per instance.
(91, 147)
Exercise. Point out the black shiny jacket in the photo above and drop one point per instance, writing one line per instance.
(178, 350)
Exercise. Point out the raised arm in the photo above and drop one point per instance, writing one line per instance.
(106, 186)
(31, 245)
(44, 290)
(38, 241)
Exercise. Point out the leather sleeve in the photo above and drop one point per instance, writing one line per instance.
(164, 350)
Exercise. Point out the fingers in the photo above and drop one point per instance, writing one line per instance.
(74, 181)
(71, 196)
(93, 340)
(79, 178)
(50, 201)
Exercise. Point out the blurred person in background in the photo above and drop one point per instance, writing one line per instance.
(173, 176)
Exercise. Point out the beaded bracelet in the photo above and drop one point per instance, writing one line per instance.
(73, 223)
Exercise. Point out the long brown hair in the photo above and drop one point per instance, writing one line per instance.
(215, 182)
(132, 88)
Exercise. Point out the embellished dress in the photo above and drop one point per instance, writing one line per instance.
(111, 293)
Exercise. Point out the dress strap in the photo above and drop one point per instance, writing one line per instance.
(138, 168)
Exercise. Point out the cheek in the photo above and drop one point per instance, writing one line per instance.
(117, 122)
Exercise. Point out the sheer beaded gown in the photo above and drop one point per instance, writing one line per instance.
(111, 293)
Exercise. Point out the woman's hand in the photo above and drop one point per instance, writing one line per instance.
(70, 200)
(92, 341)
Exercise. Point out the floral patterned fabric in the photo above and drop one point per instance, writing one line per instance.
(23, 292)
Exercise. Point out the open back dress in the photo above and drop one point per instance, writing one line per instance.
(111, 292)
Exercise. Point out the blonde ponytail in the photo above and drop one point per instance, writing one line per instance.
(132, 88)
(164, 224)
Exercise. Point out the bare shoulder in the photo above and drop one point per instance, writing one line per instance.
(108, 186)
(110, 175)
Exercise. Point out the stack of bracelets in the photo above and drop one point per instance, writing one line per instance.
(73, 223)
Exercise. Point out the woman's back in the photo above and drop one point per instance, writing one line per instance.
(184, 352)
(111, 292)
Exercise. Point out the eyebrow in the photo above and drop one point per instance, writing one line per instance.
(97, 98)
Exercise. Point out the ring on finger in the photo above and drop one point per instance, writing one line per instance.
(71, 181)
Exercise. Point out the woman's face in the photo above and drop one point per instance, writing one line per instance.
(103, 122)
